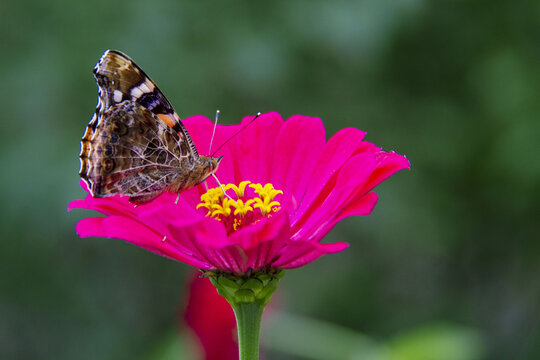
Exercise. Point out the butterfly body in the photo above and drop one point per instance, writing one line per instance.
(136, 145)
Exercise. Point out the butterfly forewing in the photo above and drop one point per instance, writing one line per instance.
(119, 79)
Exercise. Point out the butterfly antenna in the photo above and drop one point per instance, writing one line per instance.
(210, 149)
(213, 132)
(239, 131)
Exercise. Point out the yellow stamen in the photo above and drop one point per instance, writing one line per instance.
(242, 208)
(222, 209)
(267, 191)
(240, 189)
(236, 224)
(247, 208)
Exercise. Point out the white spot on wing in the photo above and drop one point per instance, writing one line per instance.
(136, 92)
(117, 96)
(146, 87)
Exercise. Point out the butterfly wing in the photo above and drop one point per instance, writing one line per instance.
(133, 153)
(119, 79)
(118, 160)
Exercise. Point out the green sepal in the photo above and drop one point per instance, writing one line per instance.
(246, 288)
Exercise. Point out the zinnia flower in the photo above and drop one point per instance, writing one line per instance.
(288, 188)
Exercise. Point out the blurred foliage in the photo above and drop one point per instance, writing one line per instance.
(452, 84)
(320, 340)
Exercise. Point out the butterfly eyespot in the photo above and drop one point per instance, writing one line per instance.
(113, 139)
(108, 165)
(119, 128)
(108, 150)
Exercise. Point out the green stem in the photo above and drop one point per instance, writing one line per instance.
(248, 322)
(247, 294)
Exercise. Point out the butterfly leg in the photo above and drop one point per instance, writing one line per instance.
(177, 198)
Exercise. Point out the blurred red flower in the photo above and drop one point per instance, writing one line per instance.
(212, 320)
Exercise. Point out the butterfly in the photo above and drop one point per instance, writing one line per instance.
(135, 144)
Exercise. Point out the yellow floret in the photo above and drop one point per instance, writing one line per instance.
(242, 208)
(220, 206)
(240, 189)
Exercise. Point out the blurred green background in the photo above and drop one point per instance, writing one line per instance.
(446, 267)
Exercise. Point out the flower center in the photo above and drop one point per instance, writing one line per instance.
(253, 202)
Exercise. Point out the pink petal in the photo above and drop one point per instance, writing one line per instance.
(200, 128)
(361, 206)
(335, 153)
(267, 228)
(300, 253)
(388, 164)
(227, 172)
(262, 242)
(90, 227)
(200, 238)
(337, 194)
(366, 146)
(254, 146)
(136, 233)
(294, 165)
(77, 204)
(114, 205)
(157, 217)
(252, 247)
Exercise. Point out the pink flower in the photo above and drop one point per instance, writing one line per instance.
(289, 186)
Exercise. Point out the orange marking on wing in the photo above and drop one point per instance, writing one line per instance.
(167, 119)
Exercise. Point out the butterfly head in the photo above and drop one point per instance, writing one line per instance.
(214, 163)
(209, 166)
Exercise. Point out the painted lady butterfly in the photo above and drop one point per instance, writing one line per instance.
(135, 144)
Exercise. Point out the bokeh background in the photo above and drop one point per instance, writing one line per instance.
(446, 267)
